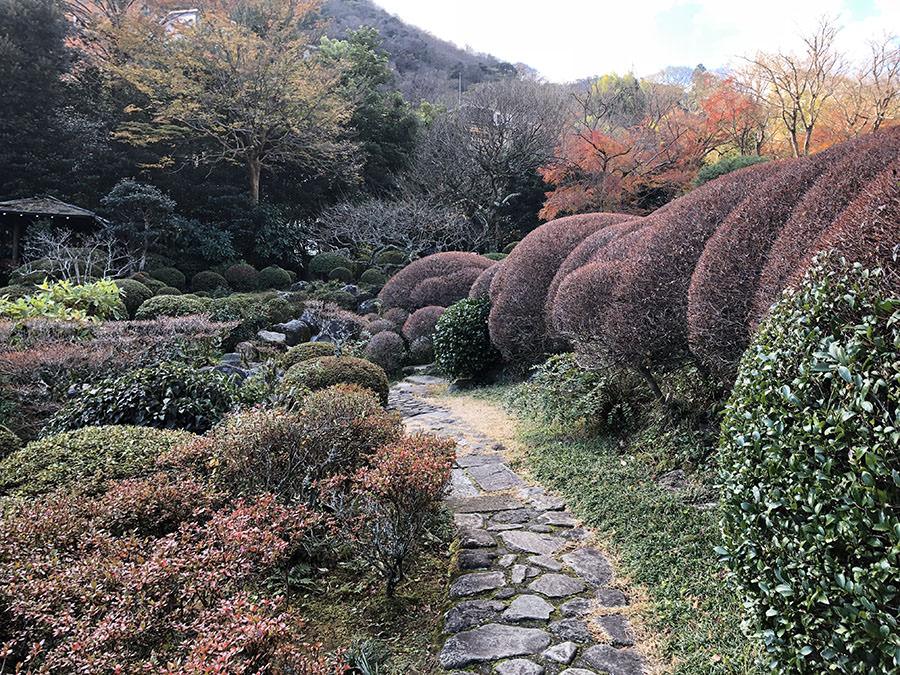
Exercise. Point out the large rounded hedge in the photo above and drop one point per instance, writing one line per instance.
(171, 305)
(273, 277)
(90, 456)
(321, 265)
(208, 281)
(422, 322)
(325, 371)
(462, 340)
(517, 312)
(443, 277)
(133, 294)
(305, 351)
(241, 277)
(482, 286)
(810, 452)
(170, 277)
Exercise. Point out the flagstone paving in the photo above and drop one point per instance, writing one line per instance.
(530, 596)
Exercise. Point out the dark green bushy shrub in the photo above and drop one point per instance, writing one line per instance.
(170, 277)
(326, 371)
(392, 258)
(90, 455)
(168, 290)
(171, 305)
(341, 274)
(133, 294)
(208, 281)
(321, 265)
(495, 256)
(421, 351)
(342, 299)
(810, 451)
(462, 342)
(241, 277)
(273, 277)
(9, 442)
(305, 351)
(372, 277)
(166, 396)
(15, 292)
(727, 165)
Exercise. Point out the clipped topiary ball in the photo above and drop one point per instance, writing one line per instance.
(372, 277)
(810, 456)
(208, 281)
(325, 371)
(388, 350)
(321, 265)
(170, 277)
(306, 351)
(168, 290)
(171, 305)
(379, 325)
(421, 351)
(341, 274)
(241, 277)
(422, 322)
(133, 294)
(462, 341)
(392, 258)
(273, 277)
(397, 316)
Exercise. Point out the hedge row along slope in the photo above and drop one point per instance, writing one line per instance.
(439, 279)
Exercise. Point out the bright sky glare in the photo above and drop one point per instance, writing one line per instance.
(569, 39)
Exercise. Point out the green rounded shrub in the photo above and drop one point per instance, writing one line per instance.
(15, 291)
(810, 451)
(341, 274)
(171, 305)
(342, 299)
(9, 442)
(392, 258)
(168, 290)
(170, 277)
(153, 284)
(325, 371)
(509, 247)
(321, 265)
(495, 256)
(273, 277)
(90, 455)
(133, 294)
(166, 396)
(462, 342)
(727, 165)
(372, 277)
(208, 281)
(421, 351)
(241, 277)
(306, 351)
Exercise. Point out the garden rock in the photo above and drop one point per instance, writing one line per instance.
(573, 630)
(556, 585)
(475, 560)
(528, 607)
(618, 629)
(298, 286)
(673, 480)
(590, 565)
(296, 331)
(531, 542)
(271, 337)
(614, 661)
(492, 642)
(371, 306)
(576, 607)
(471, 613)
(477, 582)
(352, 289)
(519, 667)
(610, 597)
(561, 653)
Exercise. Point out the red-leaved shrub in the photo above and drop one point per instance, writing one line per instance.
(388, 350)
(863, 160)
(725, 280)
(517, 309)
(385, 506)
(482, 286)
(448, 275)
(397, 316)
(422, 322)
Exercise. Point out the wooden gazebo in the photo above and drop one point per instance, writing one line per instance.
(18, 214)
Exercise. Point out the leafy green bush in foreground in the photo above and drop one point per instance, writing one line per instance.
(462, 342)
(811, 477)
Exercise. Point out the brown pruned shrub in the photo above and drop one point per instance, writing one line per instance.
(386, 349)
(856, 164)
(646, 323)
(396, 316)
(445, 290)
(482, 286)
(422, 322)
(517, 313)
(402, 289)
(867, 232)
(725, 280)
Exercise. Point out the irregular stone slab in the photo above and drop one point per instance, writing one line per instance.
(537, 527)
(484, 504)
(507, 560)
(590, 565)
(465, 461)
(470, 520)
(528, 607)
(477, 582)
(576, 607)
(610, 597)
(528, 492)
(576, 534)
(557, 519)
(614, 661)
(519, 667)
(476, 539)
(505, 593)
(492, 642)
(618, 629)
(562, 653)
(573, 630)
(425, 379)
(471, 613)
(494, 477)
(499, 527)
(556, 585)
(461, 485)
(546, 562)
(577, 671)
(547, 503)
(519, 573)
(531, 542)
(475, 560)
(518, 517)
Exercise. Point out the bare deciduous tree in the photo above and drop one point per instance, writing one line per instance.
(66, 256)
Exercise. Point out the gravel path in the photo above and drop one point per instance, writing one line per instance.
(531, 595)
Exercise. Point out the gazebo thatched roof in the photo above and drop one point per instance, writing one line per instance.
(44, 206)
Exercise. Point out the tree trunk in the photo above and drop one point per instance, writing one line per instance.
(651, 382)
(255, 166)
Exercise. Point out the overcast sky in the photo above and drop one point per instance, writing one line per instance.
(570, 39)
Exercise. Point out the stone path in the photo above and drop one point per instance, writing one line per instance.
(531, 596)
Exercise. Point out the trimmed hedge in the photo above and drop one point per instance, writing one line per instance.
(273, 277)
(208, 281)
(810, 452)
(372, 277)
(462, 340)
(326, 371)
(171, 305)
(133, 294)
(306, 351)
(341, 274)
(387, 350)
(422, 323)
(496, 256)
(517, 313)
(170, 277)
(168, 290)
(433, 280)
(396, 316)
(90, 456)
(9, 442)
(321, 265)
(241, 277)
(482, 286)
